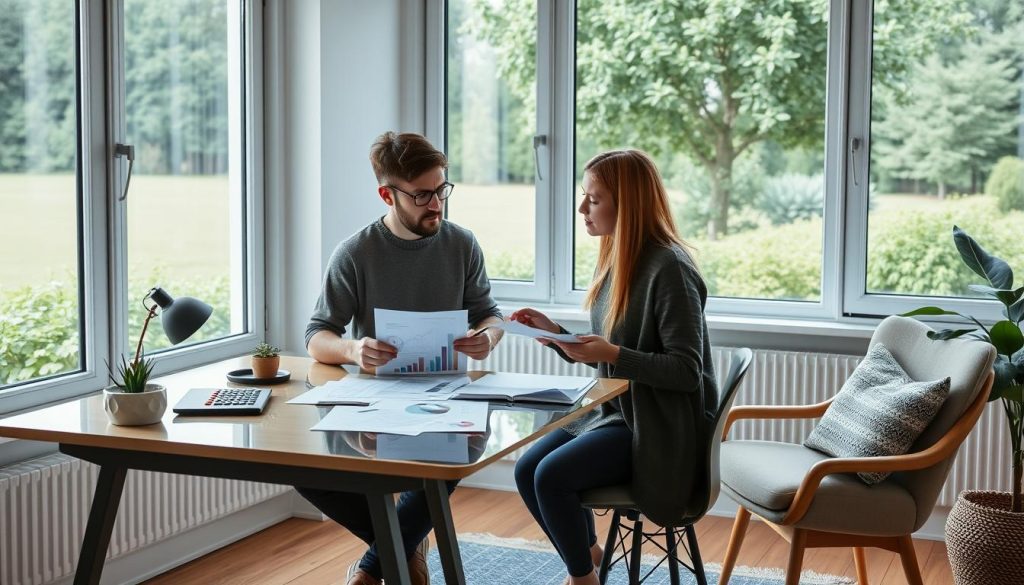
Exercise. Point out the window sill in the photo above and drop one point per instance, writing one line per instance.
(844, 336)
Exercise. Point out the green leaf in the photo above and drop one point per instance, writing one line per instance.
(1015, 312)
(1007, 337)
(1014, 393)
(928, 311)
(1007, 297)
(995, 270)
(1005, 373)
(945, 334)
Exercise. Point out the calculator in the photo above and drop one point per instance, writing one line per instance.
(223, 401)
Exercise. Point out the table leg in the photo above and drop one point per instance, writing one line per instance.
(444, 531)
(387, 536)
(102, 514)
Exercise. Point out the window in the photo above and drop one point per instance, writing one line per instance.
(817, 154)
(181, 94)
(491, 118)
(41, 305)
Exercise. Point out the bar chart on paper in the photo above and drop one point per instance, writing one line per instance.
(425, 340)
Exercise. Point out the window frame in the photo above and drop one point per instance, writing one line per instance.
(102, 278)
(844, 218)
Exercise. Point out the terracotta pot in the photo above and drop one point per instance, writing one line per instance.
(137, 408)
(983, 539)
(265, 367)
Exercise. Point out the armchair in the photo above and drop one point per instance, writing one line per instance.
(814, 500)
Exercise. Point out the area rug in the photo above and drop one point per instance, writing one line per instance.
(490, 560)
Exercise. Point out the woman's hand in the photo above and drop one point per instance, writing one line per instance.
(590, 350)
(535, 319)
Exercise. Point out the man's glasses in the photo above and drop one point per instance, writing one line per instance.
(422, 198)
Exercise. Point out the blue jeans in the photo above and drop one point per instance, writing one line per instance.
(551, 475)
(351, 511)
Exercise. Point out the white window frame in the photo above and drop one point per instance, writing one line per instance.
(102, 277)
(844, 221)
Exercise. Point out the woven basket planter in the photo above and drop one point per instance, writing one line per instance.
(985, 541)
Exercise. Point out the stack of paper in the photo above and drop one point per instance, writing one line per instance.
(364, 390)
(404, 417)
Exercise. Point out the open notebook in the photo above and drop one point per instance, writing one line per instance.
(527, 388)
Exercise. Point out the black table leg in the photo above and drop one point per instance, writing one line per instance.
(102, 514)
(387, 536)
(444, 530)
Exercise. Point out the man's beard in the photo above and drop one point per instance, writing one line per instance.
(420, 227)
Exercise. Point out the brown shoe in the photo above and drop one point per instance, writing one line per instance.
(419, 573)
(357, 576)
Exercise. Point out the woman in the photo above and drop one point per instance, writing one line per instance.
(647, 314)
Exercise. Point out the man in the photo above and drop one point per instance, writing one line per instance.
(412, 260)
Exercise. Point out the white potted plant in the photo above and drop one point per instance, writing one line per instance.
(133, 400)
(266, 359)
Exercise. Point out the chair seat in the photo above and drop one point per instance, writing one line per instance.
(765, 476)
(617, 497)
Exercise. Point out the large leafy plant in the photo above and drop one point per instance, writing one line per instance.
(1004, 335)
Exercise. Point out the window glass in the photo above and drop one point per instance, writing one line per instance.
(491, 121)
(40, 324)
(729, 99)
(946, 142)
(183, 108)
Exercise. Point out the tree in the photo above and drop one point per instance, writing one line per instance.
(711, 78)
(954, 121)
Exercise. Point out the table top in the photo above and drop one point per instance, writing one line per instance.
(281, 434)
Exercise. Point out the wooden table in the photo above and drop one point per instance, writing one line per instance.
(278, 447)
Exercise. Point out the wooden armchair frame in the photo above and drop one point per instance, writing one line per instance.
(802, 538)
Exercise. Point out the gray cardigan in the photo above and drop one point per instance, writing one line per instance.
(672, 399)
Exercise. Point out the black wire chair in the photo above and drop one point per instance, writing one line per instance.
(626, 536)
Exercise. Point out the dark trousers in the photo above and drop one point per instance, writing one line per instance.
(551, 475)
(351, 511)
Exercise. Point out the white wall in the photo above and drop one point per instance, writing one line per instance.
(346, 72)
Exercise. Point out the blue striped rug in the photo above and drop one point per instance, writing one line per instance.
(490, 560)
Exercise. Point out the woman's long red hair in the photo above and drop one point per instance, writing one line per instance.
(643, 216)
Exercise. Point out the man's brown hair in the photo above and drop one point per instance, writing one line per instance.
(404, 156)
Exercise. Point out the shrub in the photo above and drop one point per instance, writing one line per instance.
(790, 197)
(1006, 183)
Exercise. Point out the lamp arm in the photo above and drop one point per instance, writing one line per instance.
(145, 325)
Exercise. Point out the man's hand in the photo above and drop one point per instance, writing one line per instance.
(475, 344)
(591, 349)
(371, 353)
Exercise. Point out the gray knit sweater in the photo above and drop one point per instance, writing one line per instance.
(374, 268)
(673, 396)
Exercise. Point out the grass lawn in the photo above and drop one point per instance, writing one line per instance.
(178, 224)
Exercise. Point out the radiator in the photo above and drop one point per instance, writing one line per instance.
(44, 505)
(782, 377)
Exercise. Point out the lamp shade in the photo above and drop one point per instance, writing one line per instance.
(180, 317)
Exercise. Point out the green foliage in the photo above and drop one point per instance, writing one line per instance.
(265, 350)
(1005, 336)
(39, 325)
(1006, 183)
(38, 332)
(134, 374)
(791, 197)
(769, 263)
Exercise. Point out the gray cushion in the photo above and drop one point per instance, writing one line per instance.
(763, 476)
(879, 411)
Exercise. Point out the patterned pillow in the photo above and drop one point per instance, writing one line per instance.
(879, 411)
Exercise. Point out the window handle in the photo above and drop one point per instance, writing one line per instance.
(854, 149)
(538, 141)
(127, 151)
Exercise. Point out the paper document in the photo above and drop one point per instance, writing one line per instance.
(527, 388)
(517, 328)
(441, 447)
(424, 340)
(362, 389)
(405, 417)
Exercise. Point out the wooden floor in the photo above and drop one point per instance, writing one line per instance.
(306, 552)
